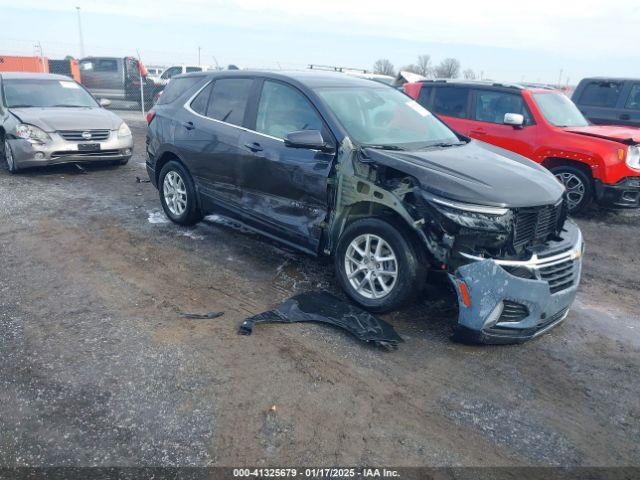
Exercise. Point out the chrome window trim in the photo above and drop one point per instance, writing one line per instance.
(187, 107)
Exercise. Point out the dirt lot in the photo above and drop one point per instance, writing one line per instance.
(98, 367)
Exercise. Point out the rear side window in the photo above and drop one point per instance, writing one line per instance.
(283, 109)
(633, 102)
(451, 101)
(425, 96)
(199, 104)
(492, 106)
(228, 100)
(601, 94)
(176, 88)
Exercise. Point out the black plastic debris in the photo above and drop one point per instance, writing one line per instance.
(140, 180)
(201, 315)
(80, 168)
(322, 307)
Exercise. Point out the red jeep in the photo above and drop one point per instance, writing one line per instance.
(594, 162)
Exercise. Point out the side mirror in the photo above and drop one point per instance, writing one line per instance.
(310, 139)
(514, 119)
(105, 102)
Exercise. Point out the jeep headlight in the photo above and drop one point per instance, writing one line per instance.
(476, 217)
(32, 133)
(633, 157)
(124, 131)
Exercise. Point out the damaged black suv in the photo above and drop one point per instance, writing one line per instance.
(336, 165)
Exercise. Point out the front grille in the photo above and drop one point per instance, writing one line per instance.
(76, 135)
(513, 312)
(75, 153)
(536, 224)
(559, 276)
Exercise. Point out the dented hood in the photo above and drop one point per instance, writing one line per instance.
(626, 135)
(52, 119)
(476, 173)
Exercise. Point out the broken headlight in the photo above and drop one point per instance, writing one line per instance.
(32, 133)
(477, 217)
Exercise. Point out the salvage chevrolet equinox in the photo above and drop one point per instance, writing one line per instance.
(341, 166)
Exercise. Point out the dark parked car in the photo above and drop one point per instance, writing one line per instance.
(609, 101)
(341, 166)
(116, 78)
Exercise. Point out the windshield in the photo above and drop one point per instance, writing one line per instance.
(45, 93)
(559, 110)
(384, 116)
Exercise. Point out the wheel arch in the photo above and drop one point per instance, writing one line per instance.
(553, 162)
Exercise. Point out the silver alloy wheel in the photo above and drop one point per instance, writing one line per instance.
(576, 188)
(175, 193)
(8, 156)
(371, 266)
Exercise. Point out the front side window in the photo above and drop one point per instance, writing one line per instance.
(385, 116)
(492, 106)
(283, 109)
(601, 94)
(451, 101)
(99, 65)
(228, 100)
(559, 110)
(25, 93)
(633, 102)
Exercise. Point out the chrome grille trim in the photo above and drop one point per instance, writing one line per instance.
(77, 135)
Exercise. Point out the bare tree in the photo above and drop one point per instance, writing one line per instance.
(448, 68)
(384, 67)
(413, 68)
(469, 74)
(424, 66)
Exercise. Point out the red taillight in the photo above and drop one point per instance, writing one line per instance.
(150, 115)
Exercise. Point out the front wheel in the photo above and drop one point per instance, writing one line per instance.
(7, 153)
(178, 194)
(578, 186)
(377, 265)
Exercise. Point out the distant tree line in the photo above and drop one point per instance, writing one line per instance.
(447, 68)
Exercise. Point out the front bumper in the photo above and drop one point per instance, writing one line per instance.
(624, 194)
(58, 150)
(504, 302)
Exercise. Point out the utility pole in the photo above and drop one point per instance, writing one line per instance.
(80, 33)
(199, 48)
(560, 78)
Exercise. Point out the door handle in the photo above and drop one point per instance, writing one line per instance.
(478, 132)
(188, 125)
(625, 116)
(254, 147)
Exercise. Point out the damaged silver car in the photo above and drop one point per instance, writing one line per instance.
(340, 166)
(48, 119)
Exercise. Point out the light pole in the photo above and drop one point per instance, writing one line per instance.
(80, 33)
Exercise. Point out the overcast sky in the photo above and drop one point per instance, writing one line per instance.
(507, 40)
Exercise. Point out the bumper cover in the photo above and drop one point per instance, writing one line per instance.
(499, 307)
(59, 150)
(624, 194)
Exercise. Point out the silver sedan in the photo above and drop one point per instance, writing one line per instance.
(50, 119)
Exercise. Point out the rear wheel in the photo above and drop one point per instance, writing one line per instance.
(578, 186)
(7, 155)
(178, 194)
(377, 266)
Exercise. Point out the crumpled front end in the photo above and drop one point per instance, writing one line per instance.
(506, 301)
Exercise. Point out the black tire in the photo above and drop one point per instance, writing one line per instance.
(7, 156)
(191, 214)
(411, 273)
(577, 183)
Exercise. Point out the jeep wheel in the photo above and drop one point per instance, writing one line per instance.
(578, 186)
(178, 195)
(377, 265)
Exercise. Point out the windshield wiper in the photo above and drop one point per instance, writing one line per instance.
(22, 106)
(69, 106)
(384, 147)
(443, 145)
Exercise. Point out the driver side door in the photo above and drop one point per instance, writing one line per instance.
(283, 189)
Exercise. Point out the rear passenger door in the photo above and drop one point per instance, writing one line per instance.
(488, 110)
(451, 103)
(208, 135)
(598, 101)
(284, 189)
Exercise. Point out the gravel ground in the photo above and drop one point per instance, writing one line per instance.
(99, 369)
